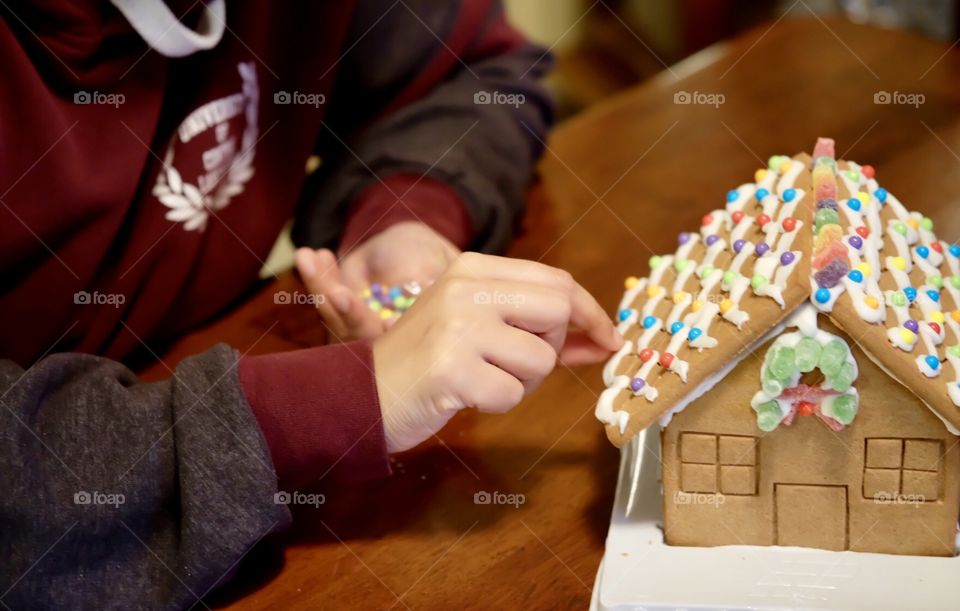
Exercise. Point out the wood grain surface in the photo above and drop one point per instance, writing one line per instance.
(618, 183)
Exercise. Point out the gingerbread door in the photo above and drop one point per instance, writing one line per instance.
(811, 516)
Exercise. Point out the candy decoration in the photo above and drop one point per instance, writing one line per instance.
(911, 293)
(822, 295)
(737, 216)
(856, 241)
(762, 249)
(649, 321)
(863, 232)
(645, 355)
(666, 359)
(738, 245)
(830, 276)
(711, 240)
(732, 195)
(854, 204)
(391, 301)
(624, 314)
(788, 257)
(683, 237)
(880, 194)
(923, 251)
(789, 224)
(912, 325)
(868, 171)
(789, 194)
(955, 250)
(675, 327)
(932, 361)
(637, 384)
(761, 193)
(694, 333)
(762, 220)
(856, 275)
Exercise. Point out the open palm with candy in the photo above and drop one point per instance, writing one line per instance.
(403, 253)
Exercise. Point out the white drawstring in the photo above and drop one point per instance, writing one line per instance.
(161, 29)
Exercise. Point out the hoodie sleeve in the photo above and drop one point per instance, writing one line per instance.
(119, 494)
(437, 113)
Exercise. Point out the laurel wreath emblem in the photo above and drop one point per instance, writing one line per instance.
(186, 202)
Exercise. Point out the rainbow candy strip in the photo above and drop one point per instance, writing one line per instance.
(830, 260)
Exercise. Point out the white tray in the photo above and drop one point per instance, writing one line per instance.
(639, 571)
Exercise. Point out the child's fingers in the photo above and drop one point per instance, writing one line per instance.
(579, 349)
(585, 312)
(359, 319)
(315, 271)
(523, 355)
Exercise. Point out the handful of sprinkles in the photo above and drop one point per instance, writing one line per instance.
(391, 301)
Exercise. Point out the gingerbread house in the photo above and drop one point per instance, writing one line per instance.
(800, 354)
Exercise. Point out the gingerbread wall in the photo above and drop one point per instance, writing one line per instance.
(889, 482)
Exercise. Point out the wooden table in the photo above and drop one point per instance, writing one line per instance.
(618, 183)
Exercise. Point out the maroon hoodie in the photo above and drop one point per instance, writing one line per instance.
(151, 154)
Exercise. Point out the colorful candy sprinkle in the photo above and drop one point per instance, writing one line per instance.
(645, 355)
(932, 361)
(856, 275)
(666, 359)
(762, 249)
(711, 240)
(933, 295)
(907, 336)
(923, 251)
(630, 282)
(868, 171)
(854, 204)
(694, 333)
(880, 194)
(675, 327)
(738, 245)
(683, 237)
(623, 314)
(787, 258)
(912, 325)
(757, 281)
(732, 196)
(955, 250)
(789, 194)
(822, 295)
(910, 292)
(863, 232)
(655, 261)
(926, 224)
(789, 224)
(737, 216)
(762, 220)
(898, 263)
(872, 302)
(856, 241)
(761, 193)
(637, 384)
(649, 321)
(727, 304)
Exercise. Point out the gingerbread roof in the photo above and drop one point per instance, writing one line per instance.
(807, 230)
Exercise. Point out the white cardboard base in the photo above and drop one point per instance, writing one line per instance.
(639, 571)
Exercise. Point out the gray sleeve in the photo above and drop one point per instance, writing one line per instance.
(432, 88)
(116, 494)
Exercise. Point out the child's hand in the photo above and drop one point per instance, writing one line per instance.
(402, 253)
(484, 335)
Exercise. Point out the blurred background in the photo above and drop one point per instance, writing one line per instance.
(603, 46)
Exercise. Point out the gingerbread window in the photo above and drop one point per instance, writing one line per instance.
(718, 463)
(896, 469)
